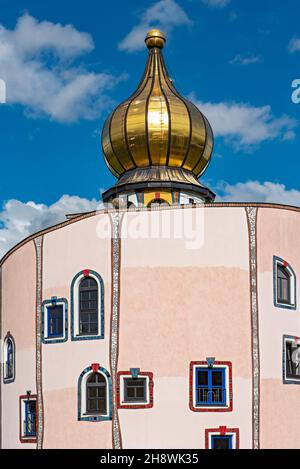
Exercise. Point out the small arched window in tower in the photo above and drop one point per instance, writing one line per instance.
(283, 285)
(88, 306)
(9, 359)
(96, 394)
(156, 202)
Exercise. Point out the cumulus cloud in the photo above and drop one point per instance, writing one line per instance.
(165, 15)
(20, 219)
(216, 3)
(37, 64)
(254, 191)
(294, 45)
(246, 59)
(245, 126)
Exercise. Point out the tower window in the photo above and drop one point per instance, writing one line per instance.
(157, 202)
(211, 386)
(284, 284)
(55, 320)
(291, 360)
(135, 389)
(87, 306)
(9, 359)
(222, 438)
(96, 394)
(28, 418)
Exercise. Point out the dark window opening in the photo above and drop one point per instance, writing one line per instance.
(9, 364)
(96, 393)
(88, 306)
(135, 389)
(221, 442)
(292, 355)
(156, 202)
(55, 321)
(210, 387)
(283, 285)
(30, 418)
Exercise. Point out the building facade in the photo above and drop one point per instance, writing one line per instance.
(161, 321)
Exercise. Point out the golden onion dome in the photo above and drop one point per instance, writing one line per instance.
(156, 126)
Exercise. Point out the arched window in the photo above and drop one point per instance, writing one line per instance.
(156, 202)
(96, 391)
(94, 394)
(283, 285)
(88, 306)
(9, 359)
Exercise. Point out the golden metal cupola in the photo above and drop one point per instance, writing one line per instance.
(157, 143)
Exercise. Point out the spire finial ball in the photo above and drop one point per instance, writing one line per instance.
(155, 38)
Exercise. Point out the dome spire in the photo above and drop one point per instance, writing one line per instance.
(156, 133)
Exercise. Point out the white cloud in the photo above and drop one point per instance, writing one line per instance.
(294, 45)
(18, 219)
(37, 64)
(216, 3)
(165, 15)
(254, 191)
(245, 126)
(246, 59)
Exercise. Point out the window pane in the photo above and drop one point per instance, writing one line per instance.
(217, 378)
(221, 442)
(202, 378)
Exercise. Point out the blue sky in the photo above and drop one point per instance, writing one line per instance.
(66, 64)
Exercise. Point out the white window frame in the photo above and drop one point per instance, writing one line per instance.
(75, 319)
(55, 302)
(83, 413)
(122, 391)
(210, 434)
(7, 380)
(286, 380)
(292, 304)
(227, 387)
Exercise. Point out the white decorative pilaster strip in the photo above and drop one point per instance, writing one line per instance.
(40, 411)
(1, 368)
(114, 338)
(252, 220)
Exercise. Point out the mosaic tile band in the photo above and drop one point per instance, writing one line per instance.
(40, 411)
(251, 213)
(114, 338)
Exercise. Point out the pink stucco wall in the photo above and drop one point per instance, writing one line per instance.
(179, 305)
(18, 317)
(278, 235)
(67, 252)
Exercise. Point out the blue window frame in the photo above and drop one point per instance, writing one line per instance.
(221, 441)
(210, 387)
(55, 321)
(30, 418)
(9, 360)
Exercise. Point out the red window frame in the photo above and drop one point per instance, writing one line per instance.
(24, 439)
(135, 406)
(191, 390)
(222, 431)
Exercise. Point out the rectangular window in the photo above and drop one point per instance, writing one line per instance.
(134, 389)
(55, 321)
(28, 418)
(210, 386)
(292, 359)
(221, 442)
